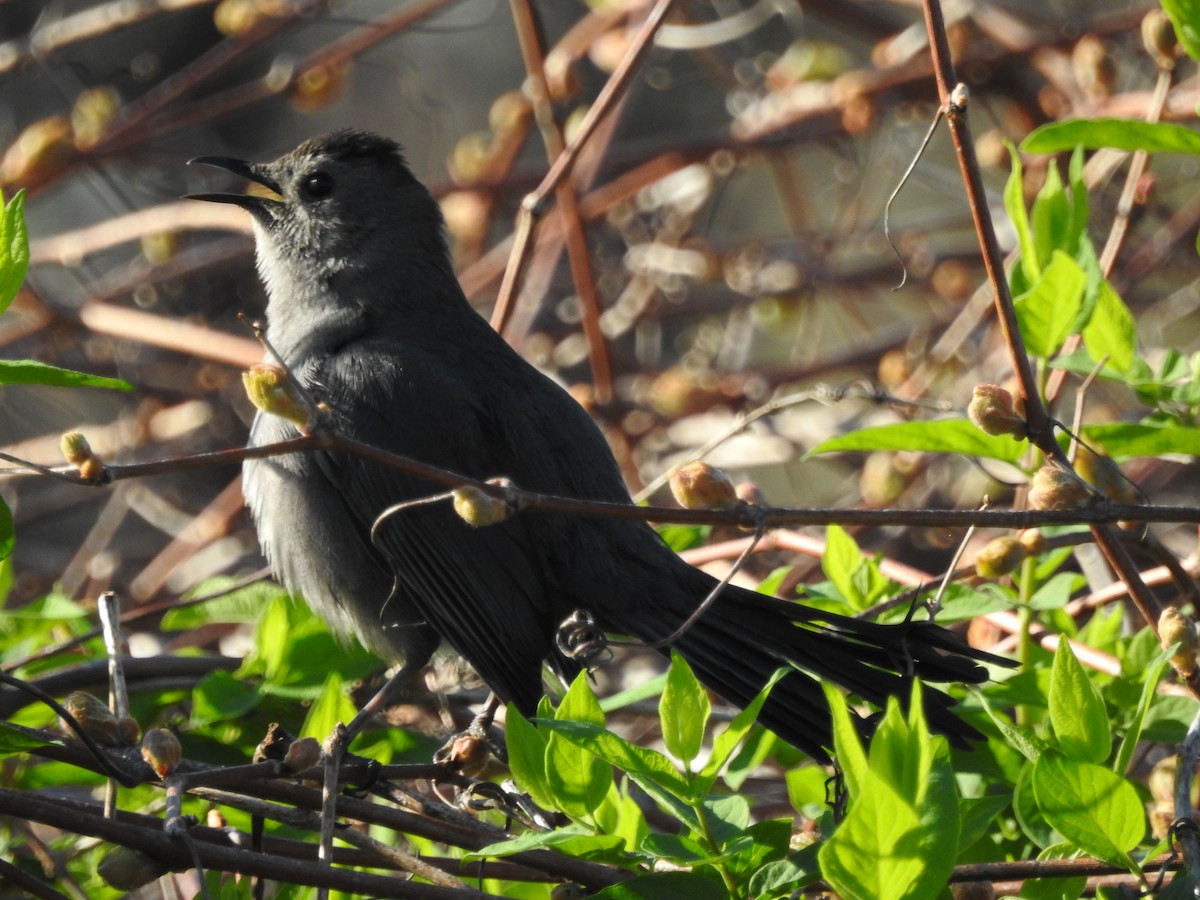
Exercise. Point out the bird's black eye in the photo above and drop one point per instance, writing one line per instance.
(317, 185)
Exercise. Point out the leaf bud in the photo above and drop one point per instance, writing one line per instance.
(302, 755)
(479, 508)
(1033, 541)
(991, 410)
(1176, 628)
(270, 390)
(162, 751)
(1053, 487)
(94, 717)
(999, 557)
(698, 485)
(1159, 38)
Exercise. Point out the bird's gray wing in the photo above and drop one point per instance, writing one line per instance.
(481, 589)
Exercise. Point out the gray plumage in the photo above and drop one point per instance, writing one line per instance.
(368, 315)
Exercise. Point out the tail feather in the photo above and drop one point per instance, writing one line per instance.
(744, 637)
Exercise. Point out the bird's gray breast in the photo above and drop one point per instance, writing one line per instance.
(316, 548)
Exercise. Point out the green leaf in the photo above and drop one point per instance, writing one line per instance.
(13, 740)
(1111, 331)
(651, 771)
(1047, 310)
(241, 606)
(1050, 218)
(781, 877)
(941, 436)
(684, 711)
(840, 561)
(14, 248)
(8, 531)
(576, 778)
(1122, 440)
(899, 832)
(527, 757)
(220, 697)
(1091, 806)
(666, 886)
(1079, 205)
(728, 740)
(29, 371)
(1026, 742)
(847, 744)
(1077, 711)
(575, 840)
(1055, 888)
(978, 816)
(1134, 733)
(1185, 16)
(331, 707)
(1014, 205)
(1119, 134)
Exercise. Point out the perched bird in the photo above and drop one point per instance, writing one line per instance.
(365, 311)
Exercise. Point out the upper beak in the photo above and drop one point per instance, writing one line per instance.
(249, 171)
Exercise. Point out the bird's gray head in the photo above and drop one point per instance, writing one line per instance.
(342, 202)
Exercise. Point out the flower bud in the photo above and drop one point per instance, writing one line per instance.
(162, 751)
(701, 486)
(127, 869)
(991, 410)
(271, 391)
(1000, 557)
(479, 508)
(1053, 487)
(1176, 628)
(94, 717)
(302, 755)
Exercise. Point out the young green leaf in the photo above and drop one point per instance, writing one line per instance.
(1077, 711)
(1185, 16)
(8, 531)
(14, 248)
(726, 742)
(1119, 134)
(1050, 218)
(1134, 733)
(941, 436)
(576, 778)
(1110, 330)
(683, 710)
(527, 757)
(1014, 205)
(1047, 310)
(333, 705)
(1091, 806)
(28, 371)
(895, 840)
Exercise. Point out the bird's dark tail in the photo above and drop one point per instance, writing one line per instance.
(739, 642)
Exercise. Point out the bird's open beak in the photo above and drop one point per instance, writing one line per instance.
(249, 171)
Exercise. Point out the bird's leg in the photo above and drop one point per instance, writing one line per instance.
(335, 750)
(468, 750)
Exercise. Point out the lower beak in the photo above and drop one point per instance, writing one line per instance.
(249, 171)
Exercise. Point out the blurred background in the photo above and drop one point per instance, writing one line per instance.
(733, 210)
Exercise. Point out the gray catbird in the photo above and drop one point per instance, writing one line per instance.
(366, 312)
